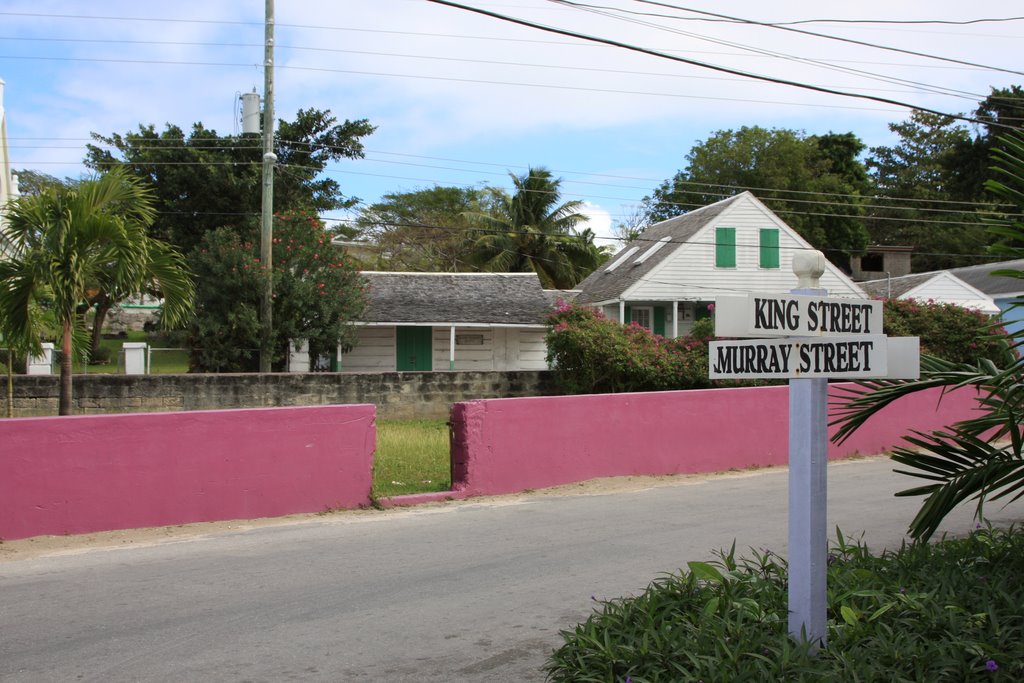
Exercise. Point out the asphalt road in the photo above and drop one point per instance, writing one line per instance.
(472, 591)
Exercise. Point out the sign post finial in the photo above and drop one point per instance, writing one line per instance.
(808, 266)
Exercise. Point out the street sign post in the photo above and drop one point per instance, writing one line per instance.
(811, 338)
(793, 315)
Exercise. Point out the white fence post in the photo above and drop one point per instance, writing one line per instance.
(135, 358)
(42, 364)
(298, 355)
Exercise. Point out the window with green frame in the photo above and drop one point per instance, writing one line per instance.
(725, 247)
(769, 248)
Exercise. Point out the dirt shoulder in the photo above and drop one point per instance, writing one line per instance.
(41, 546)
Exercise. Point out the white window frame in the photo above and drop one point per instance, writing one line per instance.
(650, 316)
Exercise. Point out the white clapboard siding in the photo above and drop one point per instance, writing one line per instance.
(479, 357)
(690, 272)
(375, 351)
(532, 350)
(949, 289)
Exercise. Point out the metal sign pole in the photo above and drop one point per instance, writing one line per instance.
(808, 476)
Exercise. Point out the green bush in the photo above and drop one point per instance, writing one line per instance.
(951, 611)
(947, 331)
(592, 354)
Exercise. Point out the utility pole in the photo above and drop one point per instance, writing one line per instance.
(267, 230)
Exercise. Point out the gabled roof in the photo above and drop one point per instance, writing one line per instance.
(618, 274)
(917, 285)
(996, 286)
(895, 287)
(489, 298)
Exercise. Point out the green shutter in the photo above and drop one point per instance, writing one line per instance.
(627, 313)
(659, 320)
(769, 247)
(725, 247)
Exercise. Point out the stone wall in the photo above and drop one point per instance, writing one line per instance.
(397, 395)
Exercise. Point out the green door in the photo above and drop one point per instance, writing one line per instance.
(414, 348)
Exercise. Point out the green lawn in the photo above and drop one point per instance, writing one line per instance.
(413, 456)
(162, 362)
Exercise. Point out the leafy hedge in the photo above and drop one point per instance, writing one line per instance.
(593, 354)
(952, 611)
(947, 331)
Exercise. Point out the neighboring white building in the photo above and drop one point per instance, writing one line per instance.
(666, 279)
(940, 286)
(451, 321)
(1007, 292)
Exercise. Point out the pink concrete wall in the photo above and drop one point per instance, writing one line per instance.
(508, 445)
(74, 475)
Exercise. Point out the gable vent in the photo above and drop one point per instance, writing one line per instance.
(619, 261)
(652, 251)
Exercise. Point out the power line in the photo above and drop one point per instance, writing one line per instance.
(372, 53)
(938, 90)
(475, 80)
(887, 48)
(715, 67)
(972, 208)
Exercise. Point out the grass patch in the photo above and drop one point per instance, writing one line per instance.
(161, 362)
(413, 456)
(949, 611)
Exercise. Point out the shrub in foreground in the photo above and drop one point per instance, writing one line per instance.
(949, 611)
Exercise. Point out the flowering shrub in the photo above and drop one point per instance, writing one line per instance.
(317, 292)
(950, 332)
(591, 354)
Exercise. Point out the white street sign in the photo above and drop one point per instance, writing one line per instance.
(851, 357)
(793, 315)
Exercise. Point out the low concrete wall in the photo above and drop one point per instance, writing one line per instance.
(505, 446)
(397, 395)
(75, 475)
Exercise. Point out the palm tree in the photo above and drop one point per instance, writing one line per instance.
(981, 458)
(530, 231)
(70, 239)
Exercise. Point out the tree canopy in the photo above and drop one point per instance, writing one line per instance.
(423, 230)
(530, 231)
(204, 180)
(317, 293)
(815, 183)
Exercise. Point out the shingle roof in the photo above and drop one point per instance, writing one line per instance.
(602, 285)
(981, 277)
(494, 298)
(894, 288)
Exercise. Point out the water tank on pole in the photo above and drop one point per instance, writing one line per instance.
(251, 112)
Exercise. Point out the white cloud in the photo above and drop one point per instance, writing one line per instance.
(600, 221)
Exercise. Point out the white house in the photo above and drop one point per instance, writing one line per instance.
(451, 321)
(1005, 291)
(941, 286)
(666, 278)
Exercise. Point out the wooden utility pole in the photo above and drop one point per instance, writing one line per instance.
(267, 230)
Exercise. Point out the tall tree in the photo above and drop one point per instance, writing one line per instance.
(69, 238)
(424, 230)
(530, 231)
(204, 180)
(917, 183)
(317, 294)
(815, 183)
